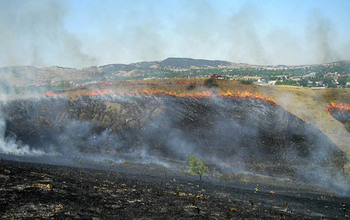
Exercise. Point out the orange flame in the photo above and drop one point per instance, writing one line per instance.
(52, 94)
(247, 94)
(337, 107)
(182, 82)
(228, 94)
(174, 94)
(95, 93)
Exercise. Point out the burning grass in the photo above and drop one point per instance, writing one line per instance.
(227, 94)
(338, 107)
(340, 111)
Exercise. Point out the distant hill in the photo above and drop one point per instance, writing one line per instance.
(170, 67)
(187, 63)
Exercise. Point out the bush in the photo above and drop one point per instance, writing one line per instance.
(247, 81)
(64, 85)
(210, 83)
(191, 87)
(197, 168)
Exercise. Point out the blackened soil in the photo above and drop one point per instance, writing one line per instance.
(247, 130)
(34, 191)
(341, 115)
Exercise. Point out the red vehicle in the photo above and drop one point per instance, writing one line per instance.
(215, 76)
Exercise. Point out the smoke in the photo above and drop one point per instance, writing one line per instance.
(246, 44)
(45, 33)
(234, 136)
(200, 29)
(33, 33)
(11, 145)
(321, 37)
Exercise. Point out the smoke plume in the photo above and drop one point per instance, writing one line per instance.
(40, 33)
(33, 33)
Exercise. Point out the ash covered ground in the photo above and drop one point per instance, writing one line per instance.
(43, 191)
(145, 140)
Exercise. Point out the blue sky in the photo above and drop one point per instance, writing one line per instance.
(81, 33)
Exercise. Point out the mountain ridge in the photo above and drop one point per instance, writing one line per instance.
(169, 67)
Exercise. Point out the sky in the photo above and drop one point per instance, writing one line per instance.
(83, 33)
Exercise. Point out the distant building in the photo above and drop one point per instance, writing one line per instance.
(272, 82)
(296, 78)
(319, 83)
(318, 87)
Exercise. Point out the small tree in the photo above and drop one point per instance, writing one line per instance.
(197, 168)
(210, 83)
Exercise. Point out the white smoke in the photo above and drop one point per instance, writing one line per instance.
(11, 146)
(35, 33)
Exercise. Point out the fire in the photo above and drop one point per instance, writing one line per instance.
(182, 82)
(337, 107)
(95, 93)
(174, 94)
(52, 94)
(227, 94)
(247, 94)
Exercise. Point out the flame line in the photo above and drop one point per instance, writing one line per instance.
(342, 107)
(228, 94)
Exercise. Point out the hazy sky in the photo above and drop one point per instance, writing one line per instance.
(80, 33)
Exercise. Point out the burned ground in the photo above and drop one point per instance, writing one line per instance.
(131, 154)
(223, 131)
(44, 191)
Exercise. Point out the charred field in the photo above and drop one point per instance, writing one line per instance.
(32, 191)
(125, 155)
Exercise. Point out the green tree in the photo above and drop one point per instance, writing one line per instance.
(64, 85)
(343, 80)
(303, 82)
(197, 167)
(210, 83)
(247, 81)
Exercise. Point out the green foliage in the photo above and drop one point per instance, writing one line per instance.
(197, 167)
(343, 80)
(64, 85)
(191, 87)
(303, 82)
(248, 81)
(211, 83)
(287, 82)
(329, 82)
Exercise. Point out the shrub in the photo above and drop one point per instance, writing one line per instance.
(197, 168)
(247, 81)
(191, 87)
(210, 83)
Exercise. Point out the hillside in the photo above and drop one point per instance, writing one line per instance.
(169, 68)
(308, 104)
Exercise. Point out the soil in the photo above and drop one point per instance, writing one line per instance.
(38, 191)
